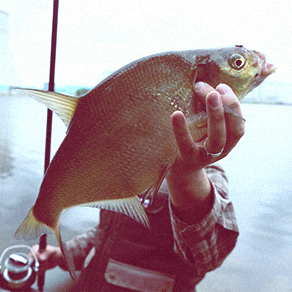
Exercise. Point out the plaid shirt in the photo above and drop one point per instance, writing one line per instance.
(207, 243)
(203, 245)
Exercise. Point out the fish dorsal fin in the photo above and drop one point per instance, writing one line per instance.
(62, 105)
(131, 207)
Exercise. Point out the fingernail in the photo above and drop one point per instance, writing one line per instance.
(223, 89)
(214, 99)
(199, 85)
(179, 119)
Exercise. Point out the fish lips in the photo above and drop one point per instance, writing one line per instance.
(267, 67)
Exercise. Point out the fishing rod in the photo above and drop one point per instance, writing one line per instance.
(43, 238)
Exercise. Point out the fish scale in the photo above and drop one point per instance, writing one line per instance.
(120, 140)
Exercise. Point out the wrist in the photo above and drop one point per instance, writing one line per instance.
(192, 196)
(186, 186)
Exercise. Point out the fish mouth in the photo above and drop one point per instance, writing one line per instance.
(267, 67)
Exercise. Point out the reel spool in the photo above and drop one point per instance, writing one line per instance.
(18, 268)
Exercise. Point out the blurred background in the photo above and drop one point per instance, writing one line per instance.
(96, 38)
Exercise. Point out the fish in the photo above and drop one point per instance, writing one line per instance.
(120, 142)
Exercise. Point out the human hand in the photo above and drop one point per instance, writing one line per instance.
(188, 183)
(223, 131)
(49, 258)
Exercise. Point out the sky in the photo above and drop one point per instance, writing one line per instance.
(98, 37)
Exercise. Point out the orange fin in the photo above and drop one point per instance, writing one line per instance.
(131, 207)
(31, 228)
(66, 254)
(62, 105)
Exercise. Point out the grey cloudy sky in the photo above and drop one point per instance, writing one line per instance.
(95, 37)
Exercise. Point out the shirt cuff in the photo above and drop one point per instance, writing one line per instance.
(221, 213)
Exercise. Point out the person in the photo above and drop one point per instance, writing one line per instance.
(193, 225)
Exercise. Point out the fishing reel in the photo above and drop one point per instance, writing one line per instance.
(18, 268)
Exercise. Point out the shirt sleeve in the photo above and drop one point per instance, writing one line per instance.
(208, 242)
(81, 245)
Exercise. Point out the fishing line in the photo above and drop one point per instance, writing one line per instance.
(43, 238)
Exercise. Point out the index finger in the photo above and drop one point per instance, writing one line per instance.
(184, 140)
(216, 123)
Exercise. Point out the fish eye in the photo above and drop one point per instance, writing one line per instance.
(236, 61)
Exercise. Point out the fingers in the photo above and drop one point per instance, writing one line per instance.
(235, 126)
(202, 89)
(48, 258)
(229, 98)
(183, 137)
(216, 120)
(224, 130)
(216, 123)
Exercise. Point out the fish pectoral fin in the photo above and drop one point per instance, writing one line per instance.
(31, 228)
(230, 111)
(197, 125)
(62, 105)
(152, 191)
(68, 258)
(131, 207)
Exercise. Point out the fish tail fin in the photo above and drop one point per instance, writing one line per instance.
(62, 105)
(66, 253)
(31, 228)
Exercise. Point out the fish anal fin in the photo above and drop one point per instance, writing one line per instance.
(31, 228)
(62, 105)
(131, 207)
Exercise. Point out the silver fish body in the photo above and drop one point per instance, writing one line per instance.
(120, 141)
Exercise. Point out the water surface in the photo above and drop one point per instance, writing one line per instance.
(259, 171)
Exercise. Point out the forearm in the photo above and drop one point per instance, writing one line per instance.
(207, 243)
(191, 195)
(80, 246)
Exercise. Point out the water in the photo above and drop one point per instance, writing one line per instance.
(22, 143)
(259, 171)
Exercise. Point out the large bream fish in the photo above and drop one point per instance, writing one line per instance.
(120, 140)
